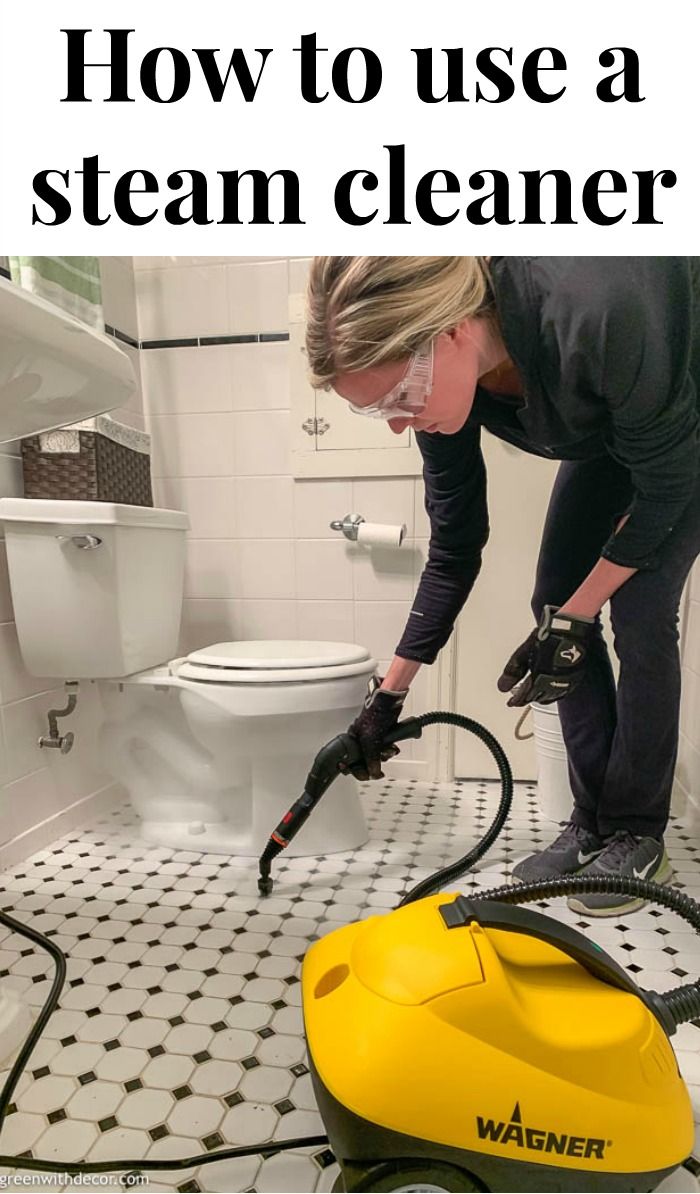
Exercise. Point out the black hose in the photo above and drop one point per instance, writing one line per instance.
(47, 1010)
(456, 869)
(146, 1165)
(683, 1003)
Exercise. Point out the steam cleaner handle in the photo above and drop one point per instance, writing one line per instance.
(344, 750)
(293, 820)
(410, 727)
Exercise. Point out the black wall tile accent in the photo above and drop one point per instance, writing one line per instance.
(251, 338)
(122, 336)
(193, 343)
(207, 341)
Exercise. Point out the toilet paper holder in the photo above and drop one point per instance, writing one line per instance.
(349, 525)
(357, 530)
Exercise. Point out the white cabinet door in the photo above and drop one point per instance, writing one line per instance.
(339, 429)
(328, 440)
(497, 615)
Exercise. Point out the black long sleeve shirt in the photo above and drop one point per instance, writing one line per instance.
(608, 350)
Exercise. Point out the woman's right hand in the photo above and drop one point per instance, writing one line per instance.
(379, 714)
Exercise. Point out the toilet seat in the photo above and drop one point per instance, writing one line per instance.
(273, 661)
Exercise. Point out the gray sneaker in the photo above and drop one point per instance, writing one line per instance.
(624, 854)
(574, 848)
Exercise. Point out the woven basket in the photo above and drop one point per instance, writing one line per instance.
(101, 471)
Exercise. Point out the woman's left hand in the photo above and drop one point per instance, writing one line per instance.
(552, 660)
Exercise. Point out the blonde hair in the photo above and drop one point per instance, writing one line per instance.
(362, 311)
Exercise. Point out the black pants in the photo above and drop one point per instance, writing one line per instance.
(621, 742)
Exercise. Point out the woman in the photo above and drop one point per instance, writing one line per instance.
(594, 361)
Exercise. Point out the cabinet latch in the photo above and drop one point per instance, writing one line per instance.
(315, 426)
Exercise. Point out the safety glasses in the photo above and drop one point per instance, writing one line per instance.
(407, 397)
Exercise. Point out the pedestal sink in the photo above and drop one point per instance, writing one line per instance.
(54, 370)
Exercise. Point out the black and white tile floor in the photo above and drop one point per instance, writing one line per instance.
(180, 1027)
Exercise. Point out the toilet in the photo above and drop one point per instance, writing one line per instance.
(212, 747)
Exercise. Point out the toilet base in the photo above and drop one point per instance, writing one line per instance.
(218, 838)
(211, 772)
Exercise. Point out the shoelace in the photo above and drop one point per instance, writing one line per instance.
(577, 832)
(618, 848)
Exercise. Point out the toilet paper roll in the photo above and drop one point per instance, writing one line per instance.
(379, 534)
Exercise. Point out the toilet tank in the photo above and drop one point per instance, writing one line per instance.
(96, 586)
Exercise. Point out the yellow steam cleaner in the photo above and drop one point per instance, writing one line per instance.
(464, 1043)
(472, 1044)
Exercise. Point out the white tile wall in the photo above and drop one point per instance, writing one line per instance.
(317, 503)
(11, 483)
(257, 297)
(212, 570)
(379, 624)
(381, 572)
(207, 621)
(260, 376)
(262, 443)
(132, 413)
(212, 299)
(187, 380)
(40, 789)
(209, 501)
(119, 295)
(192, 445)
(332, 620)
(266, 568)
(324, 569)
(265, 507)
(182, 302)
(387, 499)
(268, 619)
(240, 377)
(15, 682)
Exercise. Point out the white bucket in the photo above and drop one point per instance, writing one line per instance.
(553, 788)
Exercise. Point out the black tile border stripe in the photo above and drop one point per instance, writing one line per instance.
(184, 343)
(121, 336)
(250, 338)
(5, 273)
(209, 341)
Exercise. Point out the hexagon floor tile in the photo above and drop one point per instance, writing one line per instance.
(179, 1029)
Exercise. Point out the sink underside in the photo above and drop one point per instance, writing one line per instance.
(54, 370)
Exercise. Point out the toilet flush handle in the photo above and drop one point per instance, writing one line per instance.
(86, 542)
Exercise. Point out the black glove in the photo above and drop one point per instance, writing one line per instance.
(380, 713)
(552, 660)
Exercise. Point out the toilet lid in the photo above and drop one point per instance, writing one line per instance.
(270, 661)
